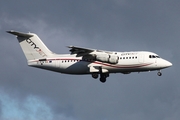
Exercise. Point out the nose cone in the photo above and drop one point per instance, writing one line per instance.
(165, 63)
(168, 64)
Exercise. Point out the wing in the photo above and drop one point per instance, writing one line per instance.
(80, 51)
(98, 55)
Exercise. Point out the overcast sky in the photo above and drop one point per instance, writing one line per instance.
(118, 25)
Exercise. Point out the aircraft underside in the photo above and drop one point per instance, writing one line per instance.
(101, 72)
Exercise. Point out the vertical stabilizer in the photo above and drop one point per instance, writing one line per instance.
(31, 45)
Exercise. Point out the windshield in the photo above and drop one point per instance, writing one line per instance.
(154, 56)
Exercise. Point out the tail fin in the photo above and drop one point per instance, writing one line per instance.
(31, 45)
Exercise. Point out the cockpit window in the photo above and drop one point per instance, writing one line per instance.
(154, 56)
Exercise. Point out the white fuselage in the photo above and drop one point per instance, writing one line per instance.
(127, 62)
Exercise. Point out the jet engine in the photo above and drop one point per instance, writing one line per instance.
(112, 59)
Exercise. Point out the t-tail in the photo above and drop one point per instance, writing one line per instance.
(32, 45)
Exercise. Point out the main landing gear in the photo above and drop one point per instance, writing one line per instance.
(103, 76)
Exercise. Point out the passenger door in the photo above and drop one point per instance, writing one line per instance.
(141, 58)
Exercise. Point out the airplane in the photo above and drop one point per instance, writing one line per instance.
(87, 61)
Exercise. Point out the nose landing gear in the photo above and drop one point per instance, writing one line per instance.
(159, 73)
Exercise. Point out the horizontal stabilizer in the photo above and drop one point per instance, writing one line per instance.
(31, 45)
(19, 34)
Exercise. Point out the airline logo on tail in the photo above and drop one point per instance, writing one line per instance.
(32, 43)
(29, 41)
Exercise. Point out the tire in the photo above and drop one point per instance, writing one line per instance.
(159, 74)
(103, 79)
(95, 75)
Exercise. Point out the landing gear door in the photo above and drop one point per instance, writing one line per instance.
(141, 58)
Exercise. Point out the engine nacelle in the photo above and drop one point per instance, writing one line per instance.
(113, 59)
(102, 57)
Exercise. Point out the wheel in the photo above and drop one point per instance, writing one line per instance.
(95, 75)
(159, 74)
(103, 79)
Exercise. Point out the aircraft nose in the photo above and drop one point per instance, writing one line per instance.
(164, 63)
(167, 63)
